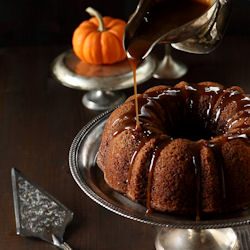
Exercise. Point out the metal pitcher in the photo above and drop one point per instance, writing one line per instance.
(201, 35)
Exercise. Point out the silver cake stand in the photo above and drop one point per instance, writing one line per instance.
(230, 231)
(101, 81)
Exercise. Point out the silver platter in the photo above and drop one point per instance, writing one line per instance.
(74, 73)
(82, 160)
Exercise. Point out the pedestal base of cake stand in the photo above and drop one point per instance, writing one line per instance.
(102, 100)
(192, 239)
(169, 68)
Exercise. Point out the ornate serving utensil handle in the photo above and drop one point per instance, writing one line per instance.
(60, 245)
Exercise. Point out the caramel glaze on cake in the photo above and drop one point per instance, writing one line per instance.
(191, 153)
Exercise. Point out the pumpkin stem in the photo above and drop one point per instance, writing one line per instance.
(97, 14)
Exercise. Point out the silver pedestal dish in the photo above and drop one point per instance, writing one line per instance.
(169, 68)
(227, 231)
(101, 81)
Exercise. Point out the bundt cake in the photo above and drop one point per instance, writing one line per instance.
(190, 154)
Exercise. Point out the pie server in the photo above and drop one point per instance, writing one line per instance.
(37, 213)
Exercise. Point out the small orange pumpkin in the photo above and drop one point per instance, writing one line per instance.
(99, 40)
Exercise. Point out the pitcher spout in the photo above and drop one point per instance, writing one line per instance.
(134, 24)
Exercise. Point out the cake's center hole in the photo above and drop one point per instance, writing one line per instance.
(191, 129)
(193, 132)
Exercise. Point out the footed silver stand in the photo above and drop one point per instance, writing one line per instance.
(224, 232)
(102, 100)
(190, 239)
(169, 68)
(101, 81)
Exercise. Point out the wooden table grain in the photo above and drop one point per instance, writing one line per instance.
(39, 118)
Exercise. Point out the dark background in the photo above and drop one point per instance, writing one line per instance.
(39, 22)
(39, 117)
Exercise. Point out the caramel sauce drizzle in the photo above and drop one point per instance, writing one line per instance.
(134, 63)
(197, 172)
(242, 112)
(155, 155)
(216, 149)
(225, 99)
(237, 118)
(212, 103)
(142, 142)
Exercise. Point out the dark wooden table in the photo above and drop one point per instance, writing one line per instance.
(39, 119)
